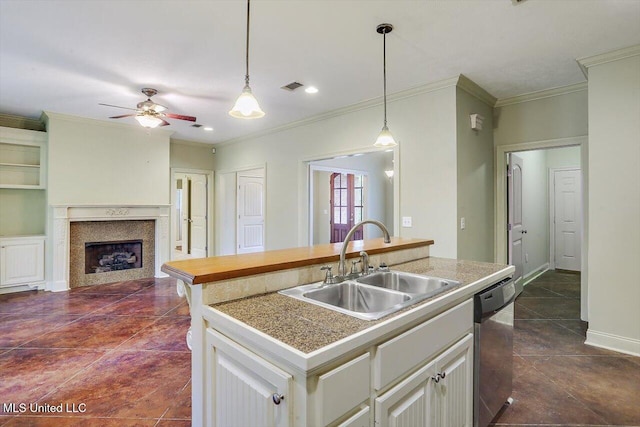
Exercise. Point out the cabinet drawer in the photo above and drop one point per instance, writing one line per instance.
(342, 389)
(361, 419)
(403, 353)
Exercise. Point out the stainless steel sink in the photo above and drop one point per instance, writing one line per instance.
(407, 282)
(374, 296)
(355, 297)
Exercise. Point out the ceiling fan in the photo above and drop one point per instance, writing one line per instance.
(148, 113)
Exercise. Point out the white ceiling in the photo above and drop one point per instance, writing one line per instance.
(68, 56)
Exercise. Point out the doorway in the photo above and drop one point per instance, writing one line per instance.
(549, 232)
(191, 206)
(346, 189)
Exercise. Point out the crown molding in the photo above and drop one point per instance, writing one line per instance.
(418, 90)
(472, 88)
(189, 143)
(547, 93)
(47, 115)
(20, 122)
(615, 55)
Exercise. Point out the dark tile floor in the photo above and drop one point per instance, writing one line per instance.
(116, 351)
(120, 350)
(558, 380)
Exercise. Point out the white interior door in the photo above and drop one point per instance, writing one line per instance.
(198, 215)
(184, 214)
(567, 219)
(515, 227)
(250, 214)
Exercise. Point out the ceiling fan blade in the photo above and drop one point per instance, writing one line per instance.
(117, 106)
(165, 123)
(180, 117)
(124, 115)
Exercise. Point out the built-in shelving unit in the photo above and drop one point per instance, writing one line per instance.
(22, 159)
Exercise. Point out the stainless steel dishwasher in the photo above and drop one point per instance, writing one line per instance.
(493, 350)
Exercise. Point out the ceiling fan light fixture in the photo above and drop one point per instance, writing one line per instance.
(148, 120)
(246, 106)
(385, 138)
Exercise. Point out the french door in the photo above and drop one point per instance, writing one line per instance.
(347, 205)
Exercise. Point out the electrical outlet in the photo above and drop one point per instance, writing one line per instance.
(406, 221)
(526, 258)
(462, 224)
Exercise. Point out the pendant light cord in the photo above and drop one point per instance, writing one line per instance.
(246, 76)
(384, 72)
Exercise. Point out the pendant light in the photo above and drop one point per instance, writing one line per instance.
(246, 106)
(385, 138)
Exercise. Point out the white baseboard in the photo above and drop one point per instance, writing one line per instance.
(535, 274)
(57, 286)
(613, 342)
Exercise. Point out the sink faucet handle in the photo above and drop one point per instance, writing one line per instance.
(328, 278)
(364, 257)
(354, 269)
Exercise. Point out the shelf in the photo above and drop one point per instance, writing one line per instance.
(19, 165)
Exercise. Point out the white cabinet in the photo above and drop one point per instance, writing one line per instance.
(422, 376)
(436, 395)
(21, 261)
(245, 390)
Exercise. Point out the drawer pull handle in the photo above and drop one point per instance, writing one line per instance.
(277, 398)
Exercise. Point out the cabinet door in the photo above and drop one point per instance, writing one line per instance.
(455, 391)
(246, 389)
(410, 403)
(21, 261)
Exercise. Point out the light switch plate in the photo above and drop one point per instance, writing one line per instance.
(406, 221)
(462, 223)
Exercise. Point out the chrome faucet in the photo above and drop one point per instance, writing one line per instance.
(342, 267)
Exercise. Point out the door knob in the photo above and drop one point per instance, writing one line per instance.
(277, 398)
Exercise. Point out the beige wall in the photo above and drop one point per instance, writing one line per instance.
(22, 212)
(425, 126)
(96, 162)
(551, 117)
(475, 180)
(189, 155)
(614, 204)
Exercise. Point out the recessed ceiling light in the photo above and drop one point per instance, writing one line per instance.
(311, 89)
(208, 129)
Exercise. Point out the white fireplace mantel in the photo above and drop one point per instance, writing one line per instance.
(64, 215)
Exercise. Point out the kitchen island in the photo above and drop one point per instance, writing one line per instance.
(262, 358)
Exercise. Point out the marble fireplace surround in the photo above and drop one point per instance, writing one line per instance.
(64, 215)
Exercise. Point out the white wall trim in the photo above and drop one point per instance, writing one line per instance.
(473, 89)
(552, 209)
(613, 342)
(430, 87)
(535, 274)
(589, 61)
(548, 93)
(103, 123)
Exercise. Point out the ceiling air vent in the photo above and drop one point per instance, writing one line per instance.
(195, 125)
(292, 86)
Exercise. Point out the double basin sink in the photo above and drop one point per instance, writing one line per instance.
(372, 296)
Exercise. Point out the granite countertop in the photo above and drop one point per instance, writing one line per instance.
(308, 327)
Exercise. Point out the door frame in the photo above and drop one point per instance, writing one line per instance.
(306, 188)
(552, 207)
(210, 204)
(500, 202)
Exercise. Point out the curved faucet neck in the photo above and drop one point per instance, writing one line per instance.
(342, 267)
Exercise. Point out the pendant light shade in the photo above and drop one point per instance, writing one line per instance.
(246, 106)
(385, 138)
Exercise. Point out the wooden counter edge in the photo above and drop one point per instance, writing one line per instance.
(202, 270)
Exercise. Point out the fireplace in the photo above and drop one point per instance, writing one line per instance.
(102, 257)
